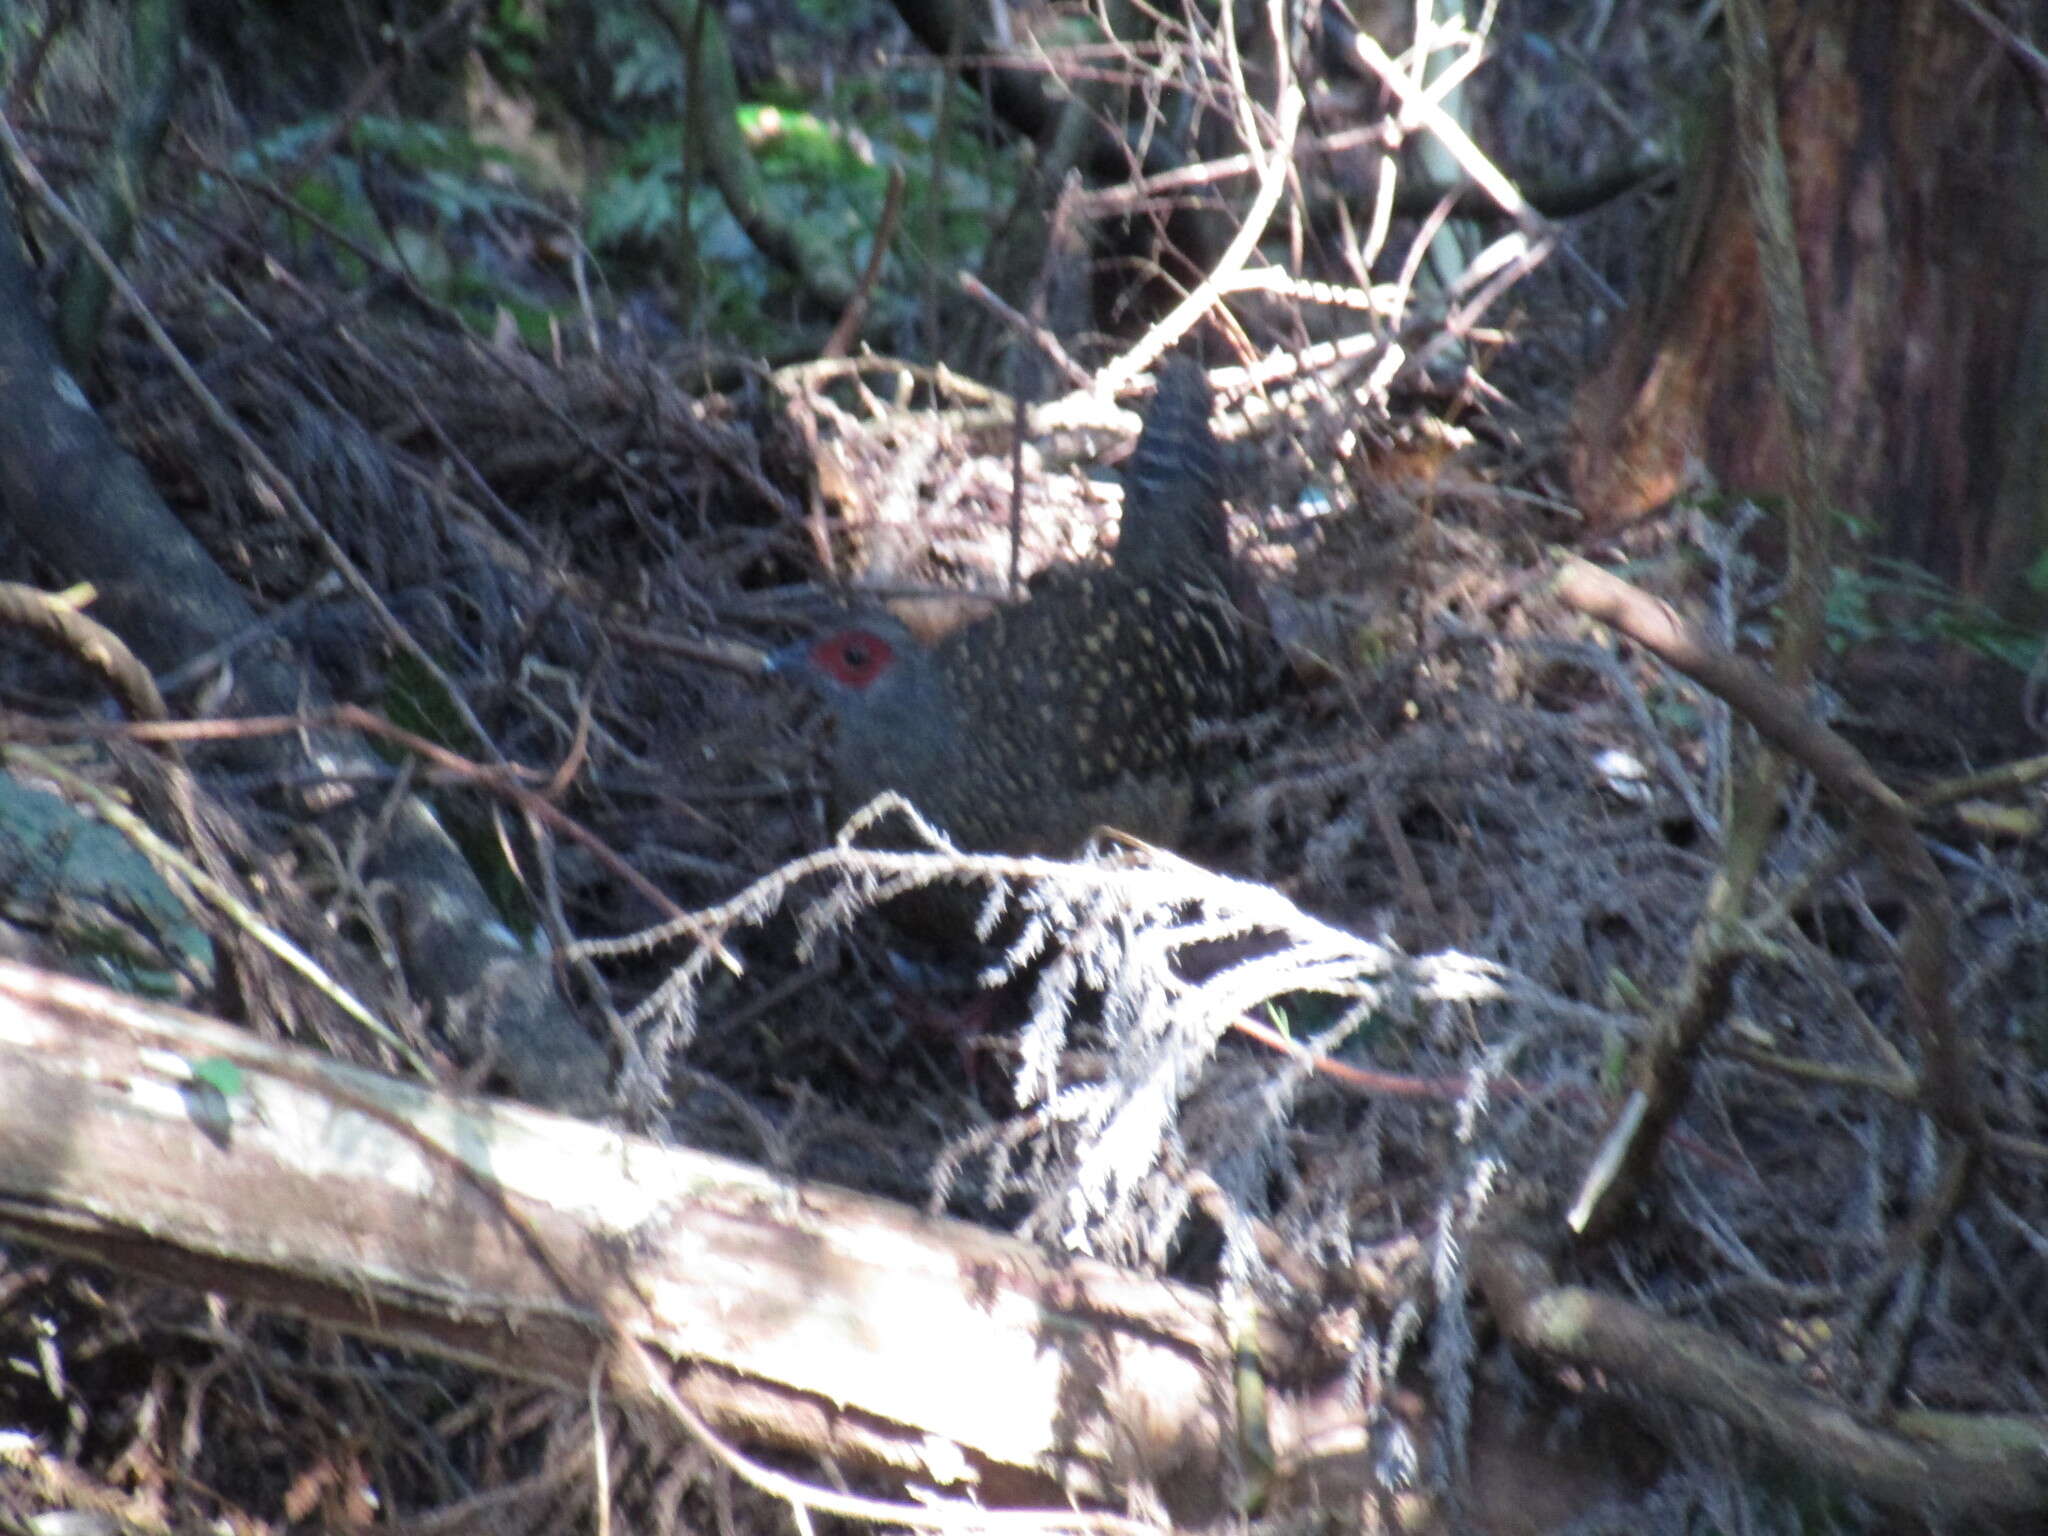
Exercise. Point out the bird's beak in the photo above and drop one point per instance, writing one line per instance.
(789, 658)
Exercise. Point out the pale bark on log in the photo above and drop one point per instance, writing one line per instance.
(807, 1318)
(801, 1317)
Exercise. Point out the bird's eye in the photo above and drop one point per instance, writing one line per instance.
(855, 659)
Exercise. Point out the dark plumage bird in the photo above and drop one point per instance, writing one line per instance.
(1024, 731)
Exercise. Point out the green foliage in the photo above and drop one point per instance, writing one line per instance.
(1895, 600)
(874, 122)
(818, 177)
(514, 36)
(415, 701)
(823, 160)
(1302, 1016)
(646, 67)
(439, 194)
(639, 202)
(2037, 574)
(640, 205)
(1675, 710)
(433, 200)
(221, 1074)
(1790, 1499)
(1623, 996)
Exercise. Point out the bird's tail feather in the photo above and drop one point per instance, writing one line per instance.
(1172, 516)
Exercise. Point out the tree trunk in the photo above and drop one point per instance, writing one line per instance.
(1918, 154)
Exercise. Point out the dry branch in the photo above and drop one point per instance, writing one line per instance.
(60, 622)
(1883, 819)
(1944, 1462)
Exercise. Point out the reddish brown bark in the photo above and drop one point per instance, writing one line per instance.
(1917, 148)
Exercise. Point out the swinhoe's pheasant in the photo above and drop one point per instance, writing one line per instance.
(1024, 731)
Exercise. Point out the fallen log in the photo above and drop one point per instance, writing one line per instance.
(799, 1317)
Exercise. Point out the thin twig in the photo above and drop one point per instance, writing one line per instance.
(55, 617)
(841, 339)
(1884, 820)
